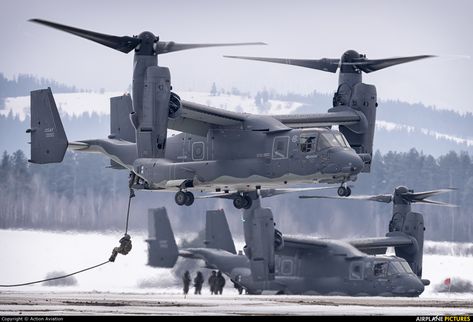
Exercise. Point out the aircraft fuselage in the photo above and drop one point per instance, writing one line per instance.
(233, 159)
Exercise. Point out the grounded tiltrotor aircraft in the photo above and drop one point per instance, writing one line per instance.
(302, 265)
(232, 155)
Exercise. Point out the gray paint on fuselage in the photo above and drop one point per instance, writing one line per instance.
(229, 155)
(320, 270)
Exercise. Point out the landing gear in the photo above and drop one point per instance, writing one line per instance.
(244, 202)
(343, 191)
(184, 198)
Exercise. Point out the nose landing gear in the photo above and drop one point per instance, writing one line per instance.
(344, 190)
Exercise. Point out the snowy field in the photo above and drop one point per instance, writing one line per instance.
(30, 255)
(129, 286)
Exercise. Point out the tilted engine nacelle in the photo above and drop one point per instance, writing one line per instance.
(363, 100)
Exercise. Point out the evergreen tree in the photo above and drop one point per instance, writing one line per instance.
(213, 90)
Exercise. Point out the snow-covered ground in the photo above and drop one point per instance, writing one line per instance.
(30, 255)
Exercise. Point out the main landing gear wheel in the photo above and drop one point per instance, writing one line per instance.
(344, 191)
(184, 198)
(189, 198)
(242, 202)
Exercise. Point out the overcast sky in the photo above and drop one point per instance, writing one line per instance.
(292, 29)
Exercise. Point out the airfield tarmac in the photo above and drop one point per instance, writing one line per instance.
(104, 303)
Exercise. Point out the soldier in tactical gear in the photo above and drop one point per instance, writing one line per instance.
(219, 283)
(213, 282)
(124, 248)
(198, 281)
(186, 280)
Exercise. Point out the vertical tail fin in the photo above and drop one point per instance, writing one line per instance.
(48, 139)
(120, 123)
(217, 232)
(162, 248)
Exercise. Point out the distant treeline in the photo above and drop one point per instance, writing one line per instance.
(23, 84)
(82, 194)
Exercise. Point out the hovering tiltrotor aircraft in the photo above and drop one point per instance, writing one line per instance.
(232, 155)
(302, 265)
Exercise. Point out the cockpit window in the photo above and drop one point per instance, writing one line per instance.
(328, 140)
(307, 142)
(343, 141)
(406, 267)
(380, 269)
(395, 268)
(323, 143)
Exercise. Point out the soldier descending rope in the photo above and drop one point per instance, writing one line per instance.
(124, 248)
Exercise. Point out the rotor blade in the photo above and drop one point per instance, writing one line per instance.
(419, 196)
(324, 64)
(379, 198)
(436, 203)
(372, 65)
(165, 47)
(124, 44)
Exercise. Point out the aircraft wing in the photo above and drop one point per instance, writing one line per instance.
(319, 120)
(335, 247)
(378, 245)
(264, 193)
(196, 118)
(303, 242)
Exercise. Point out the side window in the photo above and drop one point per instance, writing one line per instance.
(198, 151)
(356, 271)
(307, 143)
(280, 147)
(287, 267)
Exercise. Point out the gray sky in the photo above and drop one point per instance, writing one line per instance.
(292, 29)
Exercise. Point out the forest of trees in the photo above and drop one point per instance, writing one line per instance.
(23, 84)
(82, 194)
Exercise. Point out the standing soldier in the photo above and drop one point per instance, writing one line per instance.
(198, 281)
(186, 280)
(238, 287)
(213, 282)
(220, 283)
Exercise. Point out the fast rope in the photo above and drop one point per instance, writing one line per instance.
(124, 248)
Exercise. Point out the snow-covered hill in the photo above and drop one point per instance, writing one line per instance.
(389, 135)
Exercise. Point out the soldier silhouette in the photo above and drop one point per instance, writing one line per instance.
(220, 283)
(213, 282)
(186, 280)
(198, 281)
